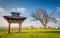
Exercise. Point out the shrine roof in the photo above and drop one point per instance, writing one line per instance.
(16, 17)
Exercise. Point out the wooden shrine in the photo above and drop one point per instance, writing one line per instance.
(15, 18)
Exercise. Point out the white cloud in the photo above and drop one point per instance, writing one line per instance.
(13, 10)
(21, 10)
(2, 10)
(58, 9)
(57, 18)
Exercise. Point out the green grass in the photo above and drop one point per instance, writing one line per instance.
(27, 33)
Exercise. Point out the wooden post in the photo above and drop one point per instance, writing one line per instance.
(20, 27)
(9, 27)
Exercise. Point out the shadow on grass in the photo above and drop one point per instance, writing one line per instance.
(44, 31)
(50, 32)
(22, 32)
(41, 32)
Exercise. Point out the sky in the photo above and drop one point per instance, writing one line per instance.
(25, 7)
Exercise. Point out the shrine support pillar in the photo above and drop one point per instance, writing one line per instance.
(9, 27)
(20, 27)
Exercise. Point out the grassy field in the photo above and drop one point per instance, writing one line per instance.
(27, 33)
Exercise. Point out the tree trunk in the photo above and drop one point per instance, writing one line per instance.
(44, 23)
(44, 26)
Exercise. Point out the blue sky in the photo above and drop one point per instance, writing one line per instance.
(28, 6)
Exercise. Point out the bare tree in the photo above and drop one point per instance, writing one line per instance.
(41, 15)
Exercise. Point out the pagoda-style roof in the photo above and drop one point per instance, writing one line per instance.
(14, 17)
(15, 14)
